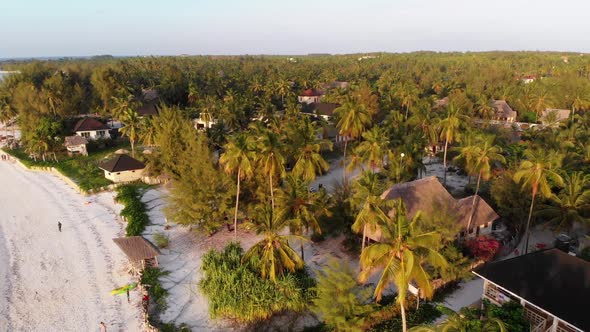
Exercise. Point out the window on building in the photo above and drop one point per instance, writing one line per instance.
(85, 134)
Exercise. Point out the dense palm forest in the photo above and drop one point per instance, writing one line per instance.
(255, 167)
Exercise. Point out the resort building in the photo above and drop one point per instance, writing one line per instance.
(428, 196)
(123, 168)
(310, 96)
(322, 110)
(554, 115)
(76, 145)
(204, 122)
(503, 112)
(91, 129)
(147, 109)
(552, 286)
(336, 85)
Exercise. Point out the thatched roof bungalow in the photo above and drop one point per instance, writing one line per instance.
(140, 252)
(428, 196)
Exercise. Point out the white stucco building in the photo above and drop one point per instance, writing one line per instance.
(123, 168)
(91, 129)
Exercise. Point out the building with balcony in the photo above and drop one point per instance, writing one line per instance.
(552, 286)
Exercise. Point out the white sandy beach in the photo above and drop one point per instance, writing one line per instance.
(52, 281)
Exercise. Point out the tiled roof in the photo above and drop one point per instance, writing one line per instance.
(121, 163)
(89, 124)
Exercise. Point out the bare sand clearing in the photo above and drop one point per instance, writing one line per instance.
(52, 281)
(183, 259)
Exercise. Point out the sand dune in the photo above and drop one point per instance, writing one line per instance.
(52, 281)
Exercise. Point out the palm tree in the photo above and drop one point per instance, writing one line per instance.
(271, 159)
(353, 118)
(401, 256)
(536, 172)
(427, 123)
(147, 134)
(484, 109)
(7, 112)
(541, 101)
(132, 126)
(282, 88)
(373, 149)
(479, 159)
(450, 125)
(238, 158)
(457, 322)
(300, 207)
(367, 199)
(407, 95)
(307, 147)
(570, 204)
(272, 253)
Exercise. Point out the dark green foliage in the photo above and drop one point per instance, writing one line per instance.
(340, 301)
(585, 254)
(170, 327)
(150, 277)
(201, 193)
(236, 291)
(511, 314)
(426, 314)
(510, 201)
(134, 210)
(82, 170)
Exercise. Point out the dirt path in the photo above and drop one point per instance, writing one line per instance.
(59, 281)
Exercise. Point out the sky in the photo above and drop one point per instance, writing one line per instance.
(39, 28)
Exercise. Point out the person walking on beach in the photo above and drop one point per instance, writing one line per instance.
(59, 226)
(103, 327)
(128, 296)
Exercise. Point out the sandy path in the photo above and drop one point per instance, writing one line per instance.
(52, 281)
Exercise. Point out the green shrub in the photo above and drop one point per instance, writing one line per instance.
(82, 170)
(161, 240)
(134, 210)
(236, 291)
(151, 277)
(510, 313)
(585, 254)
(340, 301)
(427, 313)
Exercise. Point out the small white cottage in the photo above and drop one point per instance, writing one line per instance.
(76, 145)
(91, 129)
(123, 168)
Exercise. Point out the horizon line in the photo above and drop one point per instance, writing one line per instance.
(54, 57)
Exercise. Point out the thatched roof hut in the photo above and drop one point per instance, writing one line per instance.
(141, 252)
(428, 196)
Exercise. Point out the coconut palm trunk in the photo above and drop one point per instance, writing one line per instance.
(237, 203)
(528, 223)
(402, 300)
(403, 311)
(344, 162)
(132, 146)
(272, 195)
(445, 162)
(364, 237)
(473, 203)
